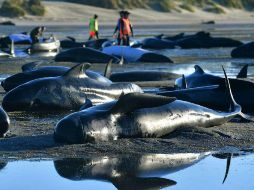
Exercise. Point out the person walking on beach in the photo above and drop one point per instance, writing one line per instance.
(94, 28)
(116, 33)
(37, 33)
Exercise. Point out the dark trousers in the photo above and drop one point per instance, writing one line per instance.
(126, 40)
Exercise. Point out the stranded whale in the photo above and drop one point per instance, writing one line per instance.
(65, 92)
(136, 54)
(32, 72)
(138, 115)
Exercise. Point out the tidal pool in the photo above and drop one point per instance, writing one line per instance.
(151, 171)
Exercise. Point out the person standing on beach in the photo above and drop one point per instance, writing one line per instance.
(117, 28)
(94, 28)
(126, 29)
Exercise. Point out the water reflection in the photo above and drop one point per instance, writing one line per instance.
(2, 165)
(128, 172)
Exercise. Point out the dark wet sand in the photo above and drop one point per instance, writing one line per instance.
(31, 134)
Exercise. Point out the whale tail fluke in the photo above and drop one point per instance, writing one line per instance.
(107, 71)
(243, 72)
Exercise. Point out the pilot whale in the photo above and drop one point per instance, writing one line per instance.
(138, 115)
(31, 72)
(4, 122)
(131, 54)
(128, 172)
(66, 92)
(83, 54)
(201, 78)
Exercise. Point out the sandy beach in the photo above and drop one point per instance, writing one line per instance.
(63, 13)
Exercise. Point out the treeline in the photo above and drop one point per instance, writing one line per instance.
(17, 8)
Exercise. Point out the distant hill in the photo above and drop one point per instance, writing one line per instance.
(170, 5)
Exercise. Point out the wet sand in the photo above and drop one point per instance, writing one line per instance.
(31, 134)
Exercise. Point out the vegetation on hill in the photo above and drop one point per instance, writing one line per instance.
(215, 6)
(17, 8)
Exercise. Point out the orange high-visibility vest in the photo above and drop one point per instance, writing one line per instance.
(126, 27)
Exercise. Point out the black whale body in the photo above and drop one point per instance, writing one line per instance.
(136, 76)
(216, 96)
(42, 72)
(4, 122)
(72, 43)
(67, 92)
(244, 51)
(201, 78)
(85, 55)
(204, 40)
(155, 43)
(138, 115)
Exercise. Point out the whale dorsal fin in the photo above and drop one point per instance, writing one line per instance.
(77, 71)
(184, 82)
(148, 183)
(71, 38)
(199, 70)
(107, 71)
(243, 72)
(132, 101)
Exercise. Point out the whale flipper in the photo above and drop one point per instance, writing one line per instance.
(199, 70)
(132, 101)
(151, 183)
(243, 72)
(107, 71)
(77, 71)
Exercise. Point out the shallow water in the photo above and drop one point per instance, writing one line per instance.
(154, 171)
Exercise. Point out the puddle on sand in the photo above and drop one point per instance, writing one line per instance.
(152, 171)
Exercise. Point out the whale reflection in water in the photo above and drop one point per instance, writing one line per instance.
(128, 172)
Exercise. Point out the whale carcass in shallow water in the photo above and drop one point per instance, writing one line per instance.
(128, 172)
(201, 78)
(65, 92)
(136, 54)
(4, 122)
(138, 115)
(85, 55)
(42, 72)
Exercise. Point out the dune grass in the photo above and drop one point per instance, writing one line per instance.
(18, 8)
